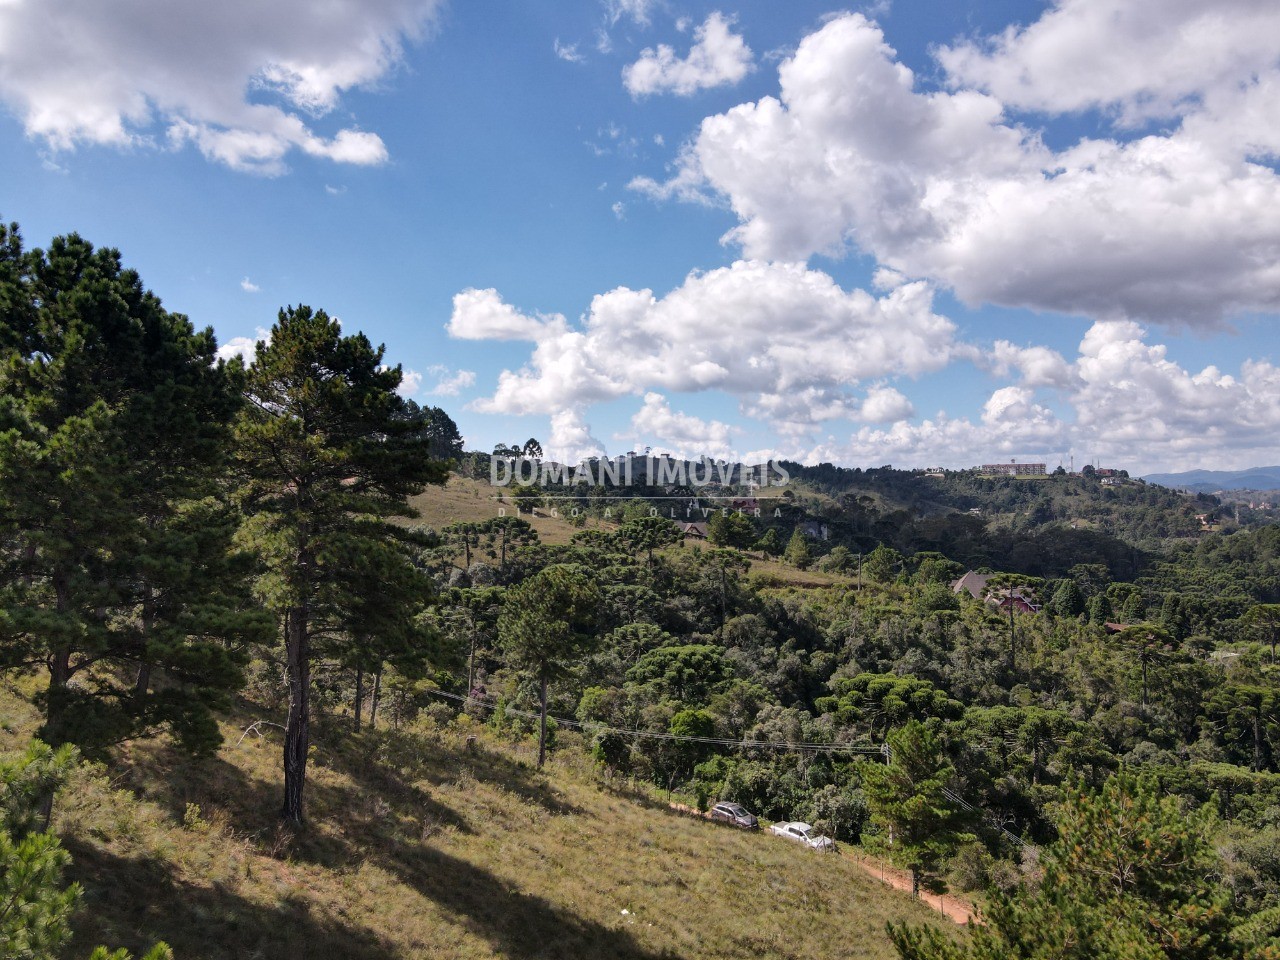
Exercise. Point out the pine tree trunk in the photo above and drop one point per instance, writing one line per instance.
(377, 697)
(143, 682)
(297, 734)
(359, 694)
(54, 732)
(542, 723)
(1257, 744)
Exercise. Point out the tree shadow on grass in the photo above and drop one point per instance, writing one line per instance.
(136, 902)
(406, 755)
(516, 924)
(252, 805)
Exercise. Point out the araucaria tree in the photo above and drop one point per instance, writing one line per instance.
(113, 544)
(326, 460)
(549, 622)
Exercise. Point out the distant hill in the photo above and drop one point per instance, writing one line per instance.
(1207, 481)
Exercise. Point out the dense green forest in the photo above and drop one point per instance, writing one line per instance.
(180, 533)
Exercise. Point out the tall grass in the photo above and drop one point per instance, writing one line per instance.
(422, 845)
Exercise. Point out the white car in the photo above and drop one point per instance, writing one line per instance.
(805, 834)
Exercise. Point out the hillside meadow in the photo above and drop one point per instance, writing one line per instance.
(422, 845)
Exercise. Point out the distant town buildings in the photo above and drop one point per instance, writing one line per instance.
(1014, 469)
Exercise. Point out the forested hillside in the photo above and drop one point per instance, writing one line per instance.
(223, 582)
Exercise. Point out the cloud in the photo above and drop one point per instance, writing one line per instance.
(243, 347)
(1012, 425)
(248, 286)
(449, 383)
(779, 336)
(410, 383)
(571, 440)
(245, 82)
(1038, 366)
(568, 52)
(481, 315)
(619, 210)
(680, 434)
(719, 57)
(884, 405)
(637, 11)
(1124, 402)
(1141, 60)
(1130, 397)
(1179, 227)
(801, 355)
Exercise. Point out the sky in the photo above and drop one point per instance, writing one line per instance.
(932, 233)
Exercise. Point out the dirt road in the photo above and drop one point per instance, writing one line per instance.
(953, 908)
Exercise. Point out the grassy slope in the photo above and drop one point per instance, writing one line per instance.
(466, 500)
(463, 500)
(419, 847)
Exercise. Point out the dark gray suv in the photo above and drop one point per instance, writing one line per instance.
(736, 814)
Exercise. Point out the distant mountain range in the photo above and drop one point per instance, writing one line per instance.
(1207, 481)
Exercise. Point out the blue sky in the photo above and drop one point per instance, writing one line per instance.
(925, 233)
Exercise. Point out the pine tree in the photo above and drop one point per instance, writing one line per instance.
(797, 553)
(883, 563)
(1067, 600)
(326, 459)
(1130, 876)
(907, 797)
(113, 414)
(1100, 609)
(769, 544)
(35, 907)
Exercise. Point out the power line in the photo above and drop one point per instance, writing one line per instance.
(792, 747)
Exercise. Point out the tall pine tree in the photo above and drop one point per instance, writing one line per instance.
(1131, 876)
(327, 459)
(114, 416)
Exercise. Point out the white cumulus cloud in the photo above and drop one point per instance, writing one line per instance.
(410, 383)
(681, 434)
(1122, 400)
(1179, 227)
(719, 57)
(243, 347)
(571, 440)
(482, 315)
(245, 82)
(1142, 60)
(785, 339)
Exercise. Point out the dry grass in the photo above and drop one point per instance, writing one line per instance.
(420, 847)
(463, 500)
